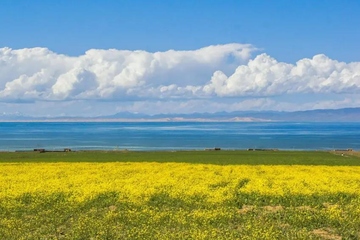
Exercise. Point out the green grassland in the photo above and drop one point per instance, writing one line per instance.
(245, 216)
(203, 157)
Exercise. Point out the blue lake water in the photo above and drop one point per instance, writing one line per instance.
(178, 135)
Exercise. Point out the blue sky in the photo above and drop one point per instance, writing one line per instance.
(285, 31)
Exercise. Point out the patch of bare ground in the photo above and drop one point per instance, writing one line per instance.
(246, 209)
(273, 209)
(285, 225)
(346, 153)
(267, 209)
(329, 205)
(112, 208)
(326, 233)
(306, 208)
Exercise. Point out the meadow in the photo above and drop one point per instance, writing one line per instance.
(179, 195)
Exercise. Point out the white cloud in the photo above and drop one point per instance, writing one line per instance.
(264, 76)
(213, 78)
(40, 74)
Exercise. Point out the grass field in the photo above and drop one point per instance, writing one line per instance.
(204, 157)
(179, 195)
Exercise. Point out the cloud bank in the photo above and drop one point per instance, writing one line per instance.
(264, 76)
(209, 75)
(39, 74)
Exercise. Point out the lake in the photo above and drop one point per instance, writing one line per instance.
(178, 135)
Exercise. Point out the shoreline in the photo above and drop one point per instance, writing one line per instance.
(44, 150)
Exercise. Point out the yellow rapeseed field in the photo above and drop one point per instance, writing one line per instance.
(136, 182)
(177, 200)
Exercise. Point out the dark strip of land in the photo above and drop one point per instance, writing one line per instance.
(205, 157)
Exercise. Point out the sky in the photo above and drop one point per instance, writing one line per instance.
(92, 58)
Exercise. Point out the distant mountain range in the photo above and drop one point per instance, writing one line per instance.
(321, 115)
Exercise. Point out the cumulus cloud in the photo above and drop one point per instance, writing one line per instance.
(212, 78)
(264, 76)
(39, 74)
